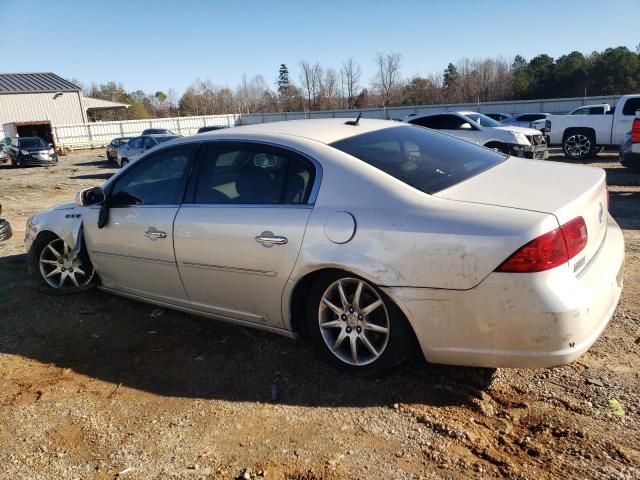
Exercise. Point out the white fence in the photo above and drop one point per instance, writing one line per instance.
(90, 135)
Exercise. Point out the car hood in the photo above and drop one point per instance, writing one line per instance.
(512, 128)
(64, 206)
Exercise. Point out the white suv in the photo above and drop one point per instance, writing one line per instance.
(482, 130)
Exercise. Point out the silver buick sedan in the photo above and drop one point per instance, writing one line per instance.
(373, 239)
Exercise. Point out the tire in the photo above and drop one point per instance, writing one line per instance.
(499, 147)
(347, 322)
(5, 230)
(16, 162)
(53, 272)
(595, 151)
(578, 144)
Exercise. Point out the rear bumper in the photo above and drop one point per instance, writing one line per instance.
(630, 159)
(519, 320)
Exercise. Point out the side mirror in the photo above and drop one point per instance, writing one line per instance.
(89, 196)
(465, 126)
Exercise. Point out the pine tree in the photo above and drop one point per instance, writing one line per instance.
(283, 79)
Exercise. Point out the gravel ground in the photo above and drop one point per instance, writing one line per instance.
(97, 386)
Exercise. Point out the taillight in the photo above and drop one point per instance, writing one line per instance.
(635, 131)
(549, 250)
(575, 234)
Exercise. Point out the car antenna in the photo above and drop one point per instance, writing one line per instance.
(355, 122)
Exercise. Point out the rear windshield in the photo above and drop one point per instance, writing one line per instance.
(427, 160)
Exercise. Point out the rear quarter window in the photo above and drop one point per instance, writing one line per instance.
(424, 159)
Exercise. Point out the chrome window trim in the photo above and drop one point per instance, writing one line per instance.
(303, 206)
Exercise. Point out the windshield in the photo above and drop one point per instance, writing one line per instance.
(32, 143)
(483, 120)
(427, 160)
(165, 139)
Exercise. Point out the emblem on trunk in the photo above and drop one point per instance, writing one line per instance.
(600, 213)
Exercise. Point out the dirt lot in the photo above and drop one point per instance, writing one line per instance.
(97, 386)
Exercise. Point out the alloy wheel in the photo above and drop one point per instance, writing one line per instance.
(354, 321)
(59, 270)
(578, 145)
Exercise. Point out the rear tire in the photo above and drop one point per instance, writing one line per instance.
(355, 327)
(52, 270)
(578, 144)
(5, 230)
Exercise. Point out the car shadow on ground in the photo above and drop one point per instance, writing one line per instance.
(174, 354)
(94, 176)
(625, 208)
(98, 163)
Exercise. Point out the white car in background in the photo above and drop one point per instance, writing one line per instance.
(139, 145)
(482, 130)
(372, 238)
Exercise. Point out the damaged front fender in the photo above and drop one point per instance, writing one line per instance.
(64, 221)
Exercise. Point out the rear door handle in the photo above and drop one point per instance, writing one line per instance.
(268, 239)
(154, 234)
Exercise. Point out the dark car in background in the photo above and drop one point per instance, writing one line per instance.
(24, 151)
(114, 147)
(159, 131)
(211, 128)
(498, 117)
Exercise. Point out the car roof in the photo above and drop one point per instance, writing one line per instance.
(326, 130)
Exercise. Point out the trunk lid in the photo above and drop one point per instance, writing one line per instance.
(564, 191)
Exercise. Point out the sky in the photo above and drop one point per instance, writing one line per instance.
(158, 45)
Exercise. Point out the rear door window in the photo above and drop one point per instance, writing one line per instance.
(253, 174)
(426, 160)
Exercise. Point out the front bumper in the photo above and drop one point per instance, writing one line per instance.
(538, 152)
(523, 320)
(42, 159)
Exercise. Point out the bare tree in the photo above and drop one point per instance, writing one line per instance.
(311, 79)
(387, 79)
(351, 74)
(329, 88)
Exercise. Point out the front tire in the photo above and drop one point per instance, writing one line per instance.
(578, 145)
(355, 327)
(54, 272)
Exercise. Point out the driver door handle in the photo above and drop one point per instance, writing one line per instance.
(154, 234)
(268, 240)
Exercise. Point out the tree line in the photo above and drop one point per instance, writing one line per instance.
(610, 72)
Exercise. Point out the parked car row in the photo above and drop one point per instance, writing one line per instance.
(124, 150)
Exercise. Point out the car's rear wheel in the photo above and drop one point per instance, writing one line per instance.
(578, 145)
(355, 327)
(53, 269)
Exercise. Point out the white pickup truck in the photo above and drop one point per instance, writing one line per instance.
(584, 135)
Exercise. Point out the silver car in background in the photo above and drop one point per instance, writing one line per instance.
(374, 239)
(135, 147)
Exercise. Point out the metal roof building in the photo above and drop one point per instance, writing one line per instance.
(34, 97)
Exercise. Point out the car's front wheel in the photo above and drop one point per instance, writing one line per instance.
(53, 269)
(355, 327)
